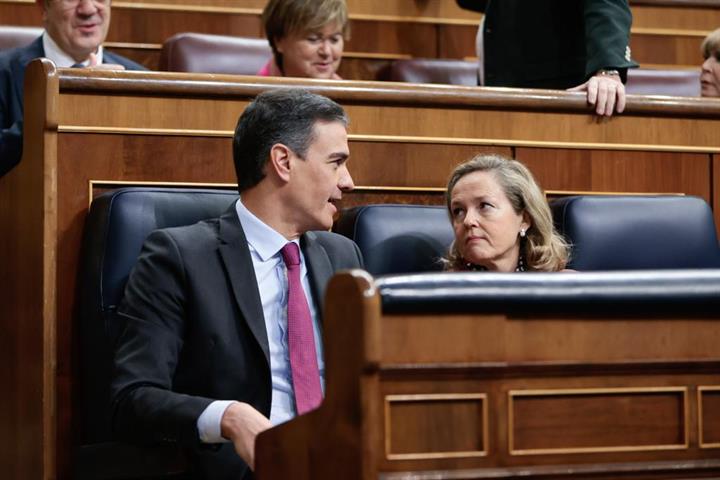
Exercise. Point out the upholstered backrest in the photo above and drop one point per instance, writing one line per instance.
(11, 37)
(115, 229)
(204, 53)
(398, 238)
(419, 70)
(638, 232)
(679, 83)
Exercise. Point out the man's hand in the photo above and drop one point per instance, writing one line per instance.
(93, 63)
(606, 92)
(241, 424)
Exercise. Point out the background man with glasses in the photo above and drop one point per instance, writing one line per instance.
(73, 37)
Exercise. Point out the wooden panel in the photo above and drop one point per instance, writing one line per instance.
(426, 10)
(415, 39)
(28, 301)
(353, 68)
(620, 171)
(504, 339)
(709, 421)
(668, 35)
(611, 417)
(457, 41)
(155, 26)
(410, 164)
(407, 9)
(193, 4)
(360, 197)
(405, 139)
(435, 426)
(666, 51)
(578, 420)
(697, 18)
(20, 14)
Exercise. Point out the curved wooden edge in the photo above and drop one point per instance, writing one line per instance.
(28, 315)
(351, 326)
(41, 75)
(386, 93)
(331, 442)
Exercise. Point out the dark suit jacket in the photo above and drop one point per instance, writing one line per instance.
(552, 43)
(195, 332)
(12, 76)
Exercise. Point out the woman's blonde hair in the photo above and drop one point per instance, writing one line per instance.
(543, 248)
(711, 44)
(284, 17)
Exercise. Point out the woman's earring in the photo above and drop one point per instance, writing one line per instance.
(522, 232)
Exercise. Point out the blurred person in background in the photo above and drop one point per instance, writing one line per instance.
(73, 37)
(579, 45)
(307, 37)
(710, 70)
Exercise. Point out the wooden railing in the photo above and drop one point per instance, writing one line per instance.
(86, 132)
(665, 33)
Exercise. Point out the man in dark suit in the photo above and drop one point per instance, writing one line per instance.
(74, 32)
(208, 355)
(580, 45)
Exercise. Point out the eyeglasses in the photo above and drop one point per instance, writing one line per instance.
(75, 3)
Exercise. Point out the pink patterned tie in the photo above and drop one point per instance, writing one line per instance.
(301, 342)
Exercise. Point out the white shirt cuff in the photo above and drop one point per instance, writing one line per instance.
(208, 423)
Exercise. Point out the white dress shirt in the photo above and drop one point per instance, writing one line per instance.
(62, 59)
(265, 245)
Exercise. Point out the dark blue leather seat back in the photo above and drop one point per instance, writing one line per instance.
(398, 238)
(115, 229)
(638, 232)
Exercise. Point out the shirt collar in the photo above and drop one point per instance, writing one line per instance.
(260, 236)
(62, 59)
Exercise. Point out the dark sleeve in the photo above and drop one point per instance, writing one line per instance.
(10, 146)
(474, 5)
(110, 57)
(153, 309)
(607, 33)
(11, 123)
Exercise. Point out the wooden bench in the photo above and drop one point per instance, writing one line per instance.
(533, 376)
(86, 132)
(665, 33)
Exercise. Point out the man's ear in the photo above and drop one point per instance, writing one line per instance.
(279, 163)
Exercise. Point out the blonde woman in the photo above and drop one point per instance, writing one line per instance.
(501, 220)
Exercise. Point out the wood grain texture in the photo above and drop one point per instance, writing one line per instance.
(596, 420)
(405, 139)
(28, 297)
(665, 33)
(563, 400)
(709, 424)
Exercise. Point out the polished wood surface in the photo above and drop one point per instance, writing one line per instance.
(90, 131)
(665, 34)
(498, 395)
(28, 297)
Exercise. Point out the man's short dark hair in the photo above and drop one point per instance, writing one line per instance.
(285, 116)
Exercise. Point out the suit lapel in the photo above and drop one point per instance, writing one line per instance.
(235, 255)
(319, 268)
